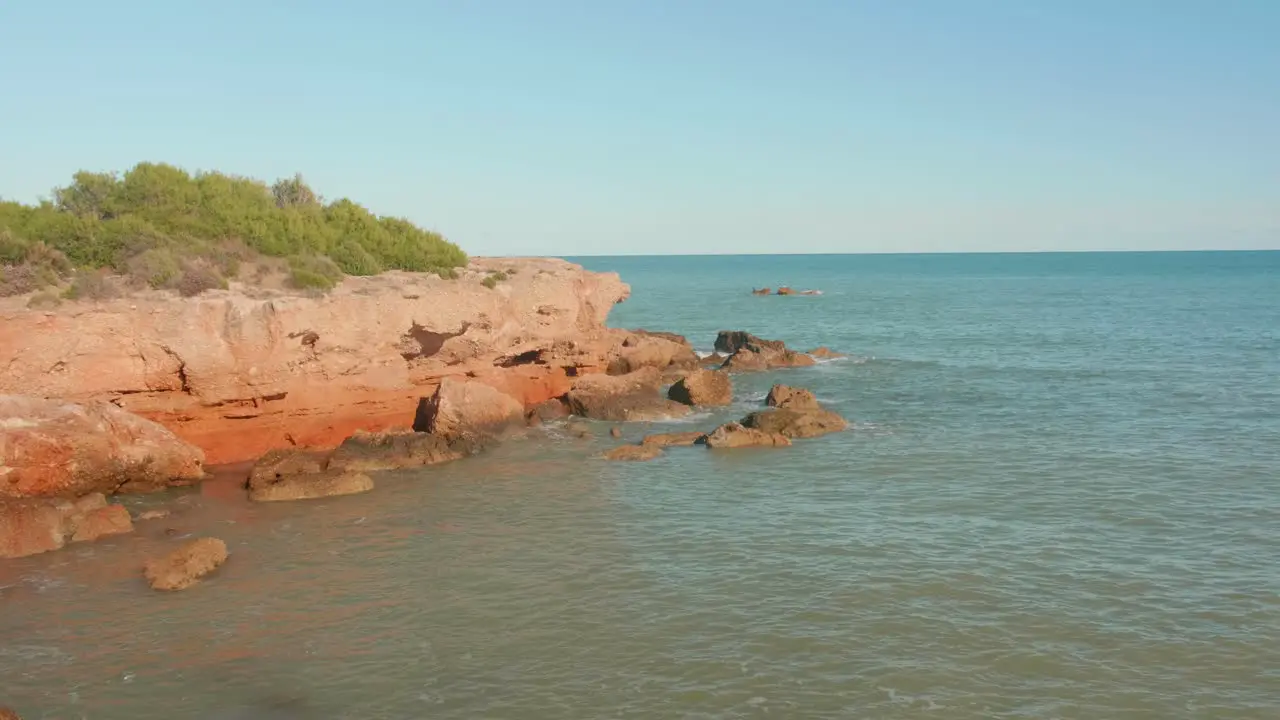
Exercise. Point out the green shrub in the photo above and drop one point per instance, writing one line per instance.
(108, 220)
(45, 300)
(354, 259)
(198, 276)
(91, 285)
(307, 280)
(13, 249)
(157, 268)
(489, 282)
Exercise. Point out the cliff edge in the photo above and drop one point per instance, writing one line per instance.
(241, 371)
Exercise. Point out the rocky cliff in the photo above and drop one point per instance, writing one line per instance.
(242, 371)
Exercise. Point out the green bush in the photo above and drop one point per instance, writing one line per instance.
(44, 300)
(91, 285)
(113, 220)
(157, 267)
(196, 277)
(313, 272)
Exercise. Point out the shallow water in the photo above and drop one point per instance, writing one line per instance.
(1060, 499)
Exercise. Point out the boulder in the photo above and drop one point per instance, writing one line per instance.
(186, 565)
(634, 453)
(825, 353)
(703, 387)
(753, 360)
(553, 409)
(301, 475)
(466, 409)
(761, 291)
(786, 291)
(366, 452)
(796, 423)
(731, 341)
(36, 525)
(619, 398)
(50, 448)
(785, 396)
(652, 350)
(101, 522)
(735, 435)
(673, 439)
(715, 359)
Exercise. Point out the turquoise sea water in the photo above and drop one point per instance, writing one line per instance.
(1060, 499)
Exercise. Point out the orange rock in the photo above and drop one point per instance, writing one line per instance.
(37, 525)
(50, 448)
(673, 439)
(735, 435)
(466, 409)
(243, 371)
(785, 396)
(184, 567)
(634, 453)
(703, 387)
(104, 521)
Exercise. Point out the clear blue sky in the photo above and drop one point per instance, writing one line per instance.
(668, 126)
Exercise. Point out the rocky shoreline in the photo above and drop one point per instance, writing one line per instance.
(153, 408)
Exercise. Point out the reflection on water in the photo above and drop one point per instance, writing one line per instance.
(1030, 519)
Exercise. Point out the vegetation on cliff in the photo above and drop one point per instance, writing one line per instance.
(160, 226)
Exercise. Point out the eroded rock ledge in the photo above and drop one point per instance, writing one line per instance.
(239, 372)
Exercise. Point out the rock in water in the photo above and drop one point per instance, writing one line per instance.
(731, 341)
(370, 452)
(617, 398)
(634, 453)
(796, 423)
(826, 353)
(673, 439)
(7, 714)
(735, 435)
(50, 448)
(37, 525)
(467, 409)
(301, 475)
(101, 522)
(703, 387)
(661, 351)
(785, 396)
(184, 567)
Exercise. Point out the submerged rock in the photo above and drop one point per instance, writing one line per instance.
(553, 409)
(673, 439)
(366, 452)
(735, 435)
(634, 453)
(50, 448)
(703, 387)
(301, 475)
(466, 409)
(826, 353)
(796, 423)
(36, 525)
(785, 396)
(186, 565)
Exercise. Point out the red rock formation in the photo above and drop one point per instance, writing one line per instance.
(32, 526)
(243, 371)
(57, 449)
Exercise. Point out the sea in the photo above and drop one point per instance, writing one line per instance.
(1059, 497)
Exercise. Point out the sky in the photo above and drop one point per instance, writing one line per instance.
(576, 127)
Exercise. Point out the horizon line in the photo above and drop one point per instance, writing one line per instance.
(900, 252)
